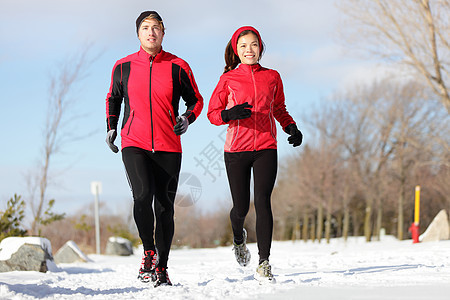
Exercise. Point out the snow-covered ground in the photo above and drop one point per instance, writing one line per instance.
(389, 269)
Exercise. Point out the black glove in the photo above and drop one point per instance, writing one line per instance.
(110, 138)
(237, 112)
(181, 126)
(296, 137)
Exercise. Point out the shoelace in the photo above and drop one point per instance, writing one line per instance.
(266, 268)
(148, 260)
(240, 250)
(162, 272)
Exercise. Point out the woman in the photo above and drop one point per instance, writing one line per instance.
(248, 97)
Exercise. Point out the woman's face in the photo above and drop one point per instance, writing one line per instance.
(248, 49)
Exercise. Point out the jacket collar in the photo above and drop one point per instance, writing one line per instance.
(249, 68)
(146, 56)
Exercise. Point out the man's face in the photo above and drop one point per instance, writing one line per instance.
(151, 36)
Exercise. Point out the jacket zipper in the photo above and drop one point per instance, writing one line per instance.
(271, 116)
(171, 119)
(254, 109)
(236, 129)
(236, 133)
(131, 122)
(150, 99)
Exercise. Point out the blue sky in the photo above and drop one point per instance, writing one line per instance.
(38, 36)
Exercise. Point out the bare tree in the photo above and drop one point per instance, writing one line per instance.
(415, 33)
(333, 123)
(199, 230)
(365, 124)
(294, 196)
(347, 123)
(57, 133)
(322, 166)
(415, 125)
(373, 144)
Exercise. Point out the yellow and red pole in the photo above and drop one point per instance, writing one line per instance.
(415, 226)
(417, 206)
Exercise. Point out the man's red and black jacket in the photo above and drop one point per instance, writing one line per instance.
(150, 88)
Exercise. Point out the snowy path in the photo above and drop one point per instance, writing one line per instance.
(354, 270)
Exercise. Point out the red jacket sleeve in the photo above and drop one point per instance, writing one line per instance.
(279, 111)
(218, 102)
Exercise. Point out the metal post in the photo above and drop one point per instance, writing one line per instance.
(97, 223)
(96, 190)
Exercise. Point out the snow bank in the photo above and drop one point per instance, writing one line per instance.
(118, 239)
(389, 269)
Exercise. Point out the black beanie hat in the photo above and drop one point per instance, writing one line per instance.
(146, 14)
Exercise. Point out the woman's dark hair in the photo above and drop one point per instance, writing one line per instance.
(231, 59)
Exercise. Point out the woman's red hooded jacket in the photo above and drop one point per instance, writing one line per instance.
(263, 89)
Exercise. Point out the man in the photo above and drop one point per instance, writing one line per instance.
(150, 82)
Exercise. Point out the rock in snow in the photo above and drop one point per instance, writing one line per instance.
(119, 246)
(26, 254)
(70, 253)
(438, 229)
